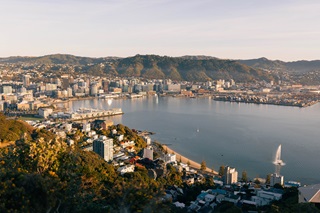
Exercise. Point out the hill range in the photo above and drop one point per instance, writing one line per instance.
(190, 68)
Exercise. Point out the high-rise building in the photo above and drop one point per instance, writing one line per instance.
(93, 89)
(230, 175)
(276, 178)
(86, 127)
(70, 92)
(148, 153)
(50, 87)
(58, 82)
(105, 85)
(71, 80)
(7, 89)
(65, 82)
(104, 147)
(26, 80)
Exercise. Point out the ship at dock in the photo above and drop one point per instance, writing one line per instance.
(85, 113)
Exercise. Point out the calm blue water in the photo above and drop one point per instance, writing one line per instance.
(245, 136)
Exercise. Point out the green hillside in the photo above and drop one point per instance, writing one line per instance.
(43, 174)
(190, 68)
(12, 130)
(294, 66)
(47, 176)
(177, 68)
(56, 59)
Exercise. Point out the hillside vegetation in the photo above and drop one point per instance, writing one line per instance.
(294, 66)
(12, 130)
(56, 59)
(153, 66)
(43, 174)
(46, 176)
(190, 68)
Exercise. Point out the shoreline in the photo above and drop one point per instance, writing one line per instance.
(210, 95)
(185, 160)
(270, 103)
(57, 101)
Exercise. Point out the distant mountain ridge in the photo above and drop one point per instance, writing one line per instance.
(259, 63)
(190, 68)
(197, 57)
(56, 59)
(294, 66)
(182, 68)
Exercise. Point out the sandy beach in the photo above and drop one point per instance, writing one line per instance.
(193, 164)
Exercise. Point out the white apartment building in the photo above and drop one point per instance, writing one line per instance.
(104, 147)
(148, 153)
(230, 175)
(168, 158)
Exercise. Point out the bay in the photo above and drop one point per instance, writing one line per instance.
(244, 136)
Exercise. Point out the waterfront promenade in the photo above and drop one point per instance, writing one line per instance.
(185, 160)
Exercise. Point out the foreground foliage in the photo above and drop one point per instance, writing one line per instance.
(47, 176)
(12, 130)
(150, 66)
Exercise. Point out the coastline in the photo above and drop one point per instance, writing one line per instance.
(300, 105)
(185, 160)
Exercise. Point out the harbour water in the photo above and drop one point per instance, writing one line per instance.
(245, 136)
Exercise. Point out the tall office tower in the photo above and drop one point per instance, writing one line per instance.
(7, 89)
(105, 85)
(26, 80)
(93, 89)
(65, 82)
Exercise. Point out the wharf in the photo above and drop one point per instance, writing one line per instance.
(86, 114)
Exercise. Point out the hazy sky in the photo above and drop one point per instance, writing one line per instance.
(238, 29)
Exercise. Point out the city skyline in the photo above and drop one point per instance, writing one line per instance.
(283, 30)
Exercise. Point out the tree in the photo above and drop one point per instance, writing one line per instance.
(40, 174)
(225, 206)
(156, 155)
(203, 166)
(166, 151)
(257, 181)
(278, 186)
(244, 177)
(221, 170)
(268, 179)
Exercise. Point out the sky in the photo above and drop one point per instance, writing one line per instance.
(287, 30)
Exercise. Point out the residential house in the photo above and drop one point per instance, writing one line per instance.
(168, 158)
(126, 169)
(310, 194)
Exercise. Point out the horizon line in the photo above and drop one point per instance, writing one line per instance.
(198, 55)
